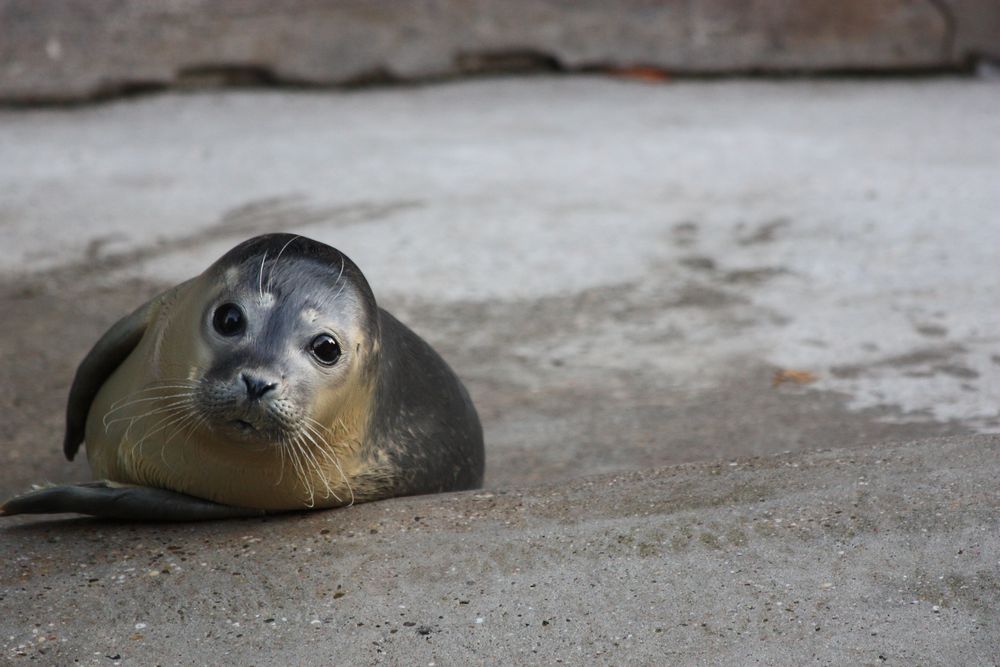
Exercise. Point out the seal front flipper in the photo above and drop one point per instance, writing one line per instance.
(116, 501)
(107, 354)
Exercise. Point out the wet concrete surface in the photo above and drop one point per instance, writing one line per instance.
(628, 278)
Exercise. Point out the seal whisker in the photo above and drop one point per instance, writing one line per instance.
(292, 459)
(324, 431)
(172, 417)
(329, 454)
(180, 379)
(133, 420)
(166, 382)
(156, 428)
(201, 419)
(171, 381)
(191, 431)
(339, 292)
(135, 395)
(294, 456)
(281, 455)
(328, 451)
(153, 386)
(184, 417)
(300, 448)
(108, 422)
(315, 465)
(110, 412)
(147, 394)
(340, 420)
(182, 425)
(187, 418)
(322, 450)
(337, 279)
(342, 263)
(330, 493)
(261, 279)
(274, 263)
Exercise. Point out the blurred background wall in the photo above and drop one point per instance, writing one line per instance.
(67, 50)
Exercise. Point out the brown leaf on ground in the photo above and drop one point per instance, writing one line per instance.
(793, 376)
(641, 73)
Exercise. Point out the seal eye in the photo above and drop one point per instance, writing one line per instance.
(228, 320)
(325, 349)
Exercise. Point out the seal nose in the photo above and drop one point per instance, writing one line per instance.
(257, 387)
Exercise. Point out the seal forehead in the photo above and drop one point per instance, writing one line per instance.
(262, 261)
(245, 280)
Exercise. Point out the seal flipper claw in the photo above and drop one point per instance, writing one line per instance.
(110, 501)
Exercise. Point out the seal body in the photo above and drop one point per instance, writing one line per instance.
(273, 381)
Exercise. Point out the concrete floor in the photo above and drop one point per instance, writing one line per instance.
(618, 271)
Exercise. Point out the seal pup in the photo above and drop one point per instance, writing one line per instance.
(271, 382)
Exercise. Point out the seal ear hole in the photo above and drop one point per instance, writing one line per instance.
(326, 349)
(229, 320)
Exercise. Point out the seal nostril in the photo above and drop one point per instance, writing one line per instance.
(256, 387)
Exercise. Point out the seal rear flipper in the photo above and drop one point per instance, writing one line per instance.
(110, 501)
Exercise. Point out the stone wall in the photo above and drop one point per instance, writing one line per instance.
(64, 50)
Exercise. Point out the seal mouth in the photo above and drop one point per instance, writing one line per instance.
(249, 431)
(243, 426)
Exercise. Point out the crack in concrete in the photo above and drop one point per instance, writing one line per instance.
(470, 66)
